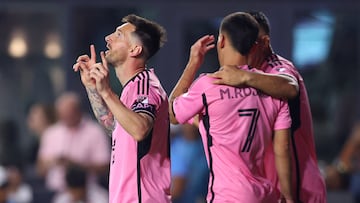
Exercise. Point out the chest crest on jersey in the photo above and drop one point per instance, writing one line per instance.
(142, 99)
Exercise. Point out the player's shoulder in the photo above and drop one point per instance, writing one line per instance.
(144, 75)
(277, 61)
(202, 82)
(203, 78)
(280, 65)
(141, 83)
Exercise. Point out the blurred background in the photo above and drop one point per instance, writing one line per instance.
(40, 41)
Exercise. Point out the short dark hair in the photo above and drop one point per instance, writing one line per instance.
(150, 33)
(262, 20)
(242, 29)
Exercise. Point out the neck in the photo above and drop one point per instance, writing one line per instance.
(128, 70)
(267, 53)
(259, 58)
(234, 59)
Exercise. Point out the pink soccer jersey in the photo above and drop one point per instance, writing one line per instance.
(236, 125)
(308, 183)
(140, 171)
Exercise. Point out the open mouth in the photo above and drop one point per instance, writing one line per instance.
(108, 50)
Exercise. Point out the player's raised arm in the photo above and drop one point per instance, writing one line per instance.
(101, 112)
(136, 124)
(197, 54)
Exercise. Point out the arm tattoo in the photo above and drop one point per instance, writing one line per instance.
(101, 111)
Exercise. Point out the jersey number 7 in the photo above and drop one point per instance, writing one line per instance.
(253, 114)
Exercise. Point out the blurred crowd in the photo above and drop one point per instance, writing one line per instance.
(343, 173)
(67, 155)
(67, 159)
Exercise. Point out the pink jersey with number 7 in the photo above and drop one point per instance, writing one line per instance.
(236, 125)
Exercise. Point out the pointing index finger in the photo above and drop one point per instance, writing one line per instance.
(92, 53)
(103, 60)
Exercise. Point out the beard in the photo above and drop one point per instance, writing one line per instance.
(114, 58)
(108, 58)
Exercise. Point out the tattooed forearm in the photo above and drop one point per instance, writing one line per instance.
(101, 111)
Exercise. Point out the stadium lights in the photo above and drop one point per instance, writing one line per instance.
(18, 47)
(53, 49)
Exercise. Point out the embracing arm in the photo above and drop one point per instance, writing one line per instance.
(283, 162)
(278, 86)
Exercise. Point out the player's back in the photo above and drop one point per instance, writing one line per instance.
(241, 124)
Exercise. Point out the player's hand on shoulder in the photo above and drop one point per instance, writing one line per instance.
(230, 75)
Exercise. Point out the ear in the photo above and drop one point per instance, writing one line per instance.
(136, 51)
(266, 40)
(221, 41)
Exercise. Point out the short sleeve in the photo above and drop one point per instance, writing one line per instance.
(283, 120)
(147, 103)
(189, 104)
(286, 71)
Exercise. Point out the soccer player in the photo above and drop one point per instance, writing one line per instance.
(236, 124)
(282, 80)
(139, 120)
